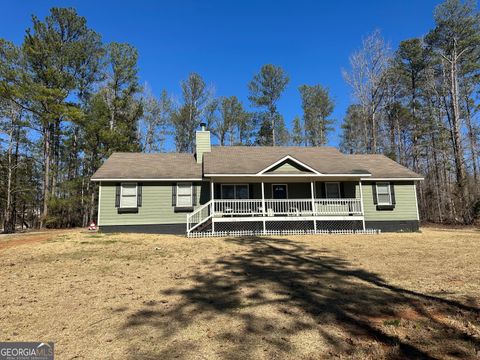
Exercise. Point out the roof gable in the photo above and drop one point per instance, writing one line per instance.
(288, 165)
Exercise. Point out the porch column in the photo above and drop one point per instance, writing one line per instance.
(263, 206)
(361, 203)
(263, 199)
(312, 191)
(212, 198)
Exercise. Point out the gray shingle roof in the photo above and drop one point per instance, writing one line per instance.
(245, 160)
(149, 166)
(251, 160)
(381, 166)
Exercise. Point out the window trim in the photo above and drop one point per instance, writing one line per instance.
(121, 195)
(338, 188)
(234, 191)
(178, 192)
(286, 190)
(387, 183)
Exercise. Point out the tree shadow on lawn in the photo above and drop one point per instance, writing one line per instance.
(267, 296)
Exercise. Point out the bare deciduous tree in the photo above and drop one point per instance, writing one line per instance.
(367, 77)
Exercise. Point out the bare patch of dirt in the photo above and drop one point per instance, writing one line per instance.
(22, 241)
(13, 240)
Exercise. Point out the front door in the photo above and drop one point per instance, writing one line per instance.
(279, 191)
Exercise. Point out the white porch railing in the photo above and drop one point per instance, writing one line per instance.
(247, 207)
(199, 216)
(338, 207)
(287, 207)
(273, 207)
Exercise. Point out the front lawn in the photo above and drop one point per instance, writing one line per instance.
(116, 296)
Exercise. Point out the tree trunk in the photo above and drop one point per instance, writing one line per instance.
(92, 204)
(8, 227)
(46, 174)
(373, 133)
(437, 176)
(273, 128)
(471, 139)
(457, 141)
(15, 178)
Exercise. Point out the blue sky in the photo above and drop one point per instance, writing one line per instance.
(228, 41)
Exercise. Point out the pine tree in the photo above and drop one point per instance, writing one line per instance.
(187, 117)
(265, 88)
(455, 41)
(56, 55)
(155, 121)
(353, 137)
(317, 109)
(228, 120)
(298, 137)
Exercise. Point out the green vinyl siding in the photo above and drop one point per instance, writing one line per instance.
(288, 167)
(405, 207)
(156, 205)
(157, 201)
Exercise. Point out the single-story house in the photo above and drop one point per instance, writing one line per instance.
(257, 189)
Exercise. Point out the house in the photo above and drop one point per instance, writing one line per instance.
(220, 190)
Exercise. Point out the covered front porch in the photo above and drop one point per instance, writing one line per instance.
(280, 203)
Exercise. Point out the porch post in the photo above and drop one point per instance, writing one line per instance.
(263, 199)
(361, 203)
(212, 198)
(263, 206)
(312, 191)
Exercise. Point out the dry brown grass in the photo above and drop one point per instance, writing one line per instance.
(100, 296)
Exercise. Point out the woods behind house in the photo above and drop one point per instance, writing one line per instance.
(68, 100)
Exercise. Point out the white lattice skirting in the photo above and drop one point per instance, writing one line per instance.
(209, 234)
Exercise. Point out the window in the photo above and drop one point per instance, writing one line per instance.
(279, 191)
(384, 197)
(235, 191)
(241, 191)
(128, 195)
(332, 190)
(184, 194)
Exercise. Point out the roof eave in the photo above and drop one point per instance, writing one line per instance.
(389, 178)
(288, 175)
(139, 179)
